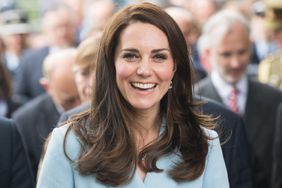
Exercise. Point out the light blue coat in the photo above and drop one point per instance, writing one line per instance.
(58, 172)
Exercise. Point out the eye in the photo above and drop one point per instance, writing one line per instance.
(130, 57)
(242, 51)
(226, 54)
(85, 73)
(160, 57)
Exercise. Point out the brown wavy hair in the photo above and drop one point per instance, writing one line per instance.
(108, 149)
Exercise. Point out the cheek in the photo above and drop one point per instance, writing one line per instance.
(166, 74)
(223, 63)
(245, 59)
(123, 71)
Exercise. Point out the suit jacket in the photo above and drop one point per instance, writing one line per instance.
(68, 114)
(57, 171)
(4, 60)
(235, 145)
(35, 120)
(260, 114)
(232, 134)
(13, 105)
(27, 84)
(277, 157)
(15, 168)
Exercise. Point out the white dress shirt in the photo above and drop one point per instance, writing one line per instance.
(224, 90)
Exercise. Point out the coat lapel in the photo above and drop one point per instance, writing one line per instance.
(212, 92)
(136, 182)
(153, 179)
(162, 179)
(206, 88)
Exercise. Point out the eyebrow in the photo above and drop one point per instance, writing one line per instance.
(154, 51)
(162, 49)
(129, 50)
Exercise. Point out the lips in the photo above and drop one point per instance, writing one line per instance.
(143, 86)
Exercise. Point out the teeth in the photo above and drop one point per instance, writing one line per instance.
(143, 85)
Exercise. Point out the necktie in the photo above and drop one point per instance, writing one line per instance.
(232, 100)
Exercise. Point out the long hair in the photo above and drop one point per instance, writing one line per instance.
(106, 134)
(5, 83)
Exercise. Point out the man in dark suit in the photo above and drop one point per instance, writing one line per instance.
(59, 31)
(226, 44)
(277, 154)
(232, 135)
(15, 168)
(37, 118)
(235, 146)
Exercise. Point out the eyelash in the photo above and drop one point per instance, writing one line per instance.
(160, 56)
(132, 56)
(129, 56)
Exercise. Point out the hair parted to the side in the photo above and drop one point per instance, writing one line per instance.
(106, 132)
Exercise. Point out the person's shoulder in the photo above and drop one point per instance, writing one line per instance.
(64, 131)
(64, 138)
(33, 105)
(215, 108)
(4, 122)
(31, 53)
(265, 89)
(75, 111)
(7, 127)
(211, 134)
(201, 86)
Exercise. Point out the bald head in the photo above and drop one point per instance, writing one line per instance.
(96, 16)
(178, 13)
(55, 63)
(58, 26)
(186, 22)
(58, 78)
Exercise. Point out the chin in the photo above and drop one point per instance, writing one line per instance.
(142, 105)
(232, 80)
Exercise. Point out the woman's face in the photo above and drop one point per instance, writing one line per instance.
(84, 82)
(144, 65)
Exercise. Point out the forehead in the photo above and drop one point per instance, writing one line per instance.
(57, 17)
(236, 37)
(144, 34)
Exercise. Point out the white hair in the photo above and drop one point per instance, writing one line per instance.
(218, 26)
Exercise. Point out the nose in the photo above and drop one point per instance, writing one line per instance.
(144, 68)
(235, 61)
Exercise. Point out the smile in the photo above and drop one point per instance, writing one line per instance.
(143, 86)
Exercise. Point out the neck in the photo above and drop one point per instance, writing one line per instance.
(147, 128)
(148, 120)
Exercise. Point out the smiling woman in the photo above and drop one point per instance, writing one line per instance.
(141, 130)
(144, 69)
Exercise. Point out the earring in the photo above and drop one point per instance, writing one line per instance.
(170, 85)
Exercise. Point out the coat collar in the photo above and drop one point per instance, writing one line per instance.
(154, 179)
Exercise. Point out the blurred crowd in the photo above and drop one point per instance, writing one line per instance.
(49, 68)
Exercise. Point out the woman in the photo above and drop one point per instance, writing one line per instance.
(141, 130)
(7, 103)
(84, 66)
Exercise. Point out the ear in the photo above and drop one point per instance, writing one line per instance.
(205, 60)
(44, 82)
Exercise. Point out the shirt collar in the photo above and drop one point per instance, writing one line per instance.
(225, 88)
